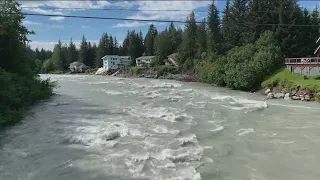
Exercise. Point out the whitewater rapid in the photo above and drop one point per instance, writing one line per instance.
(114, 128)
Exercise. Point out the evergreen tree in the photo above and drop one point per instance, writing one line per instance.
(93, 51)
(72, 53)
(163, 47)
(201, 41)
(187, 50)
(149, 40)
(115, 46)
(175, 36)
(64, 56)
(83, 53)
(111, 46)
(37, 54)
(90, 55)
(101, 50)
(214, 32)
(57, 57)
(234, 27)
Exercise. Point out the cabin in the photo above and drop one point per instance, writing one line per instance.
(114, 62)
(144, 61)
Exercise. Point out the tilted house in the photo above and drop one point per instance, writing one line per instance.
(171, 60)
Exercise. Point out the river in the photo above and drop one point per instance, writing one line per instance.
(101, 128)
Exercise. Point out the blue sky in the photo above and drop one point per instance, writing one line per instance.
(50, 30)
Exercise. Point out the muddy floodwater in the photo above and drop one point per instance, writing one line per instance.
(111, 128)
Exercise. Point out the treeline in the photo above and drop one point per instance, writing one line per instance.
(19, 84)
(218, 42)
(249, 42)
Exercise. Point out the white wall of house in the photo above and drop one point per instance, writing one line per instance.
(113, 62)
(143, 62)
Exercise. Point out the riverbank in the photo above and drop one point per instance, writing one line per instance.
(285, 85)
(282, 85)
(162, 72)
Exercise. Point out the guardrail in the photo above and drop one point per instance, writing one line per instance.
(310, 60)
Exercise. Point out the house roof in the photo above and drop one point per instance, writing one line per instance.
(173, 56)
(76, 63)
(116, 56)
(145, 57)
(124, 56)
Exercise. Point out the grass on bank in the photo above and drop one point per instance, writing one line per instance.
(290, 81)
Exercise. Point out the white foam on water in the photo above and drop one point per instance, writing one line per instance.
(242, 132)
(111, 92)
(217, 128)
(171, 115)
(192, 138)
(141, 156)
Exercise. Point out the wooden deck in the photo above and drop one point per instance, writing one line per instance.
(311, 61)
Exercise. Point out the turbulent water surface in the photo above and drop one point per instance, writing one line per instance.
(101, 128)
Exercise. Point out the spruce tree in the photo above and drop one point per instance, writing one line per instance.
(72, 53)
(83, 53)
(201, 41)
(187, 50)
(214, 32)
(149, 40)
(57, 57)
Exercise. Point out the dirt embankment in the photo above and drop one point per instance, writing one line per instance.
(150, 73)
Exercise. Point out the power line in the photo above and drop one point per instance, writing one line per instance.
(134, 10)
(112, 9)
(155, 20)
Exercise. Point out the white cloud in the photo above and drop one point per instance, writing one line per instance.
(84, 27)
(26, 22)
(129, 24)
(59, 18)
(123, 4)
(49, 45)
(164, 5)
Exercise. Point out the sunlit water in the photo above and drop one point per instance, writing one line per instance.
(106, 128)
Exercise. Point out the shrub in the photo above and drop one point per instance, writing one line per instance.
(163, 70)
(137, 69)
(17, 92)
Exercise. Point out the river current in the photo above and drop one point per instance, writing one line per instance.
(111, 128)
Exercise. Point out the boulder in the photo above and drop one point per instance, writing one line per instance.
(101, 71)
(307, 97)
(267, 91)
(295, 98)
(279, 95)
(287, 96)
(270, 95)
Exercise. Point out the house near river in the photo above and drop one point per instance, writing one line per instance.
(115, 62)
(144, 61)
(308, 66)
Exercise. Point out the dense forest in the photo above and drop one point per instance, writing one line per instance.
(238, 50)
(20, 85)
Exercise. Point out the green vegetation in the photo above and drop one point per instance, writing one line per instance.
(20, 86)
(289, 81)
(164, 70)
(137, 69)
(244, 67)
